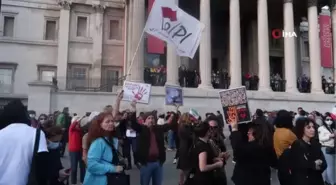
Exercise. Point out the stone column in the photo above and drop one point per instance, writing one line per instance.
(137, 69)
(205, 46)
(98, 44)
(289, 44)
(334, 39)
(263, 47)
(314, 47)
(129, 36)
(235, 45)
(173, 63)
(63, 43)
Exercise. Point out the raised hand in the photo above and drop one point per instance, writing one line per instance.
(133, 105)
(120, 95)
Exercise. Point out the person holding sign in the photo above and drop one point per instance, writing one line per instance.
(254, 158)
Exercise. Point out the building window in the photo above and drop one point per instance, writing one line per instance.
(6, 80)
(8, 26)
(306, 48)
(115, 32)
(51, 30)
(78, 77)
(46, 73)
(82, 26)
(111, 77)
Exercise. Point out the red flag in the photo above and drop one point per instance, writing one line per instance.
(169, 13)
(154, 45)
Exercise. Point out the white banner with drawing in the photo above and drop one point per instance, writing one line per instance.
(139, 92)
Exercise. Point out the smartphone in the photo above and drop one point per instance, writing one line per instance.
(68, 170)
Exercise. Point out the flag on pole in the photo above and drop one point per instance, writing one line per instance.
(171, 24)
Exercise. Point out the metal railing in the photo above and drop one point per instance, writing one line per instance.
(89, 84)
(106, 85)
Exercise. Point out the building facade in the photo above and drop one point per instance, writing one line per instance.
(71, 40)
(90, 47)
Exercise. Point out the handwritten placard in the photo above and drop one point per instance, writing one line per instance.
(235, 105)
(139, 92)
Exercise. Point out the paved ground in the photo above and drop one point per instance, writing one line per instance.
(171, 173)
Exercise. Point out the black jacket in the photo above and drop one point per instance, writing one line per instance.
(253, 161)
(304, 156)
(54, 166)
(143, 140)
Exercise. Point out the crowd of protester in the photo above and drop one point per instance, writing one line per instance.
(103, 145)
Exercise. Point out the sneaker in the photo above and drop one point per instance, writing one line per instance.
(174, 161)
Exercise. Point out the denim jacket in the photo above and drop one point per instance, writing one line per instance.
(99, 162)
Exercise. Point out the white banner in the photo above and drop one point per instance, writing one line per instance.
(139, 92)
(168, 22)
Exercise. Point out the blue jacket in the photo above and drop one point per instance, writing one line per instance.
(99, 161)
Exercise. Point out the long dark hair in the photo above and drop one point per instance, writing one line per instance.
(14, 112)
(262, 134)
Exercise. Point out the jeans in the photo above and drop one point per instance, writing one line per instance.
(171, 140)
(75, 158)
(128, 147)
(329, 173)
(152, 170)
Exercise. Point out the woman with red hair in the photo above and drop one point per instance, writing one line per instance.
(102, 142)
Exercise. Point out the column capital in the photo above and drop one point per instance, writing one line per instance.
(65, 4)
(287, 1)
(312, 3)
(98, 8)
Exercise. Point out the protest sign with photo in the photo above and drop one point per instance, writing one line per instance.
(139, 92)
(174, 95)
(235, 105)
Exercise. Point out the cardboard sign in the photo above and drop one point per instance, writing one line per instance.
(174, 95)
(139, 92)
(235, 105)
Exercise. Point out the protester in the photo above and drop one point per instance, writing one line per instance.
(150, 152)
(326, 134)
(283, 138)
(64, 120)
(33, 122)
(216, 141)
(186, 137)
(100, 155)
(17, 141)
(85, 128)
(102, 143)
(129, 138)
(205, 162)
(75, 151)
(253, 157)
(308, 162)
(56, 174)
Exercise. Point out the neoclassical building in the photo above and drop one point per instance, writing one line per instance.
(238, 38)
(79, 42)
(88, 44)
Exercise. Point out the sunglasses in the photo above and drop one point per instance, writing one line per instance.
(328, 119)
